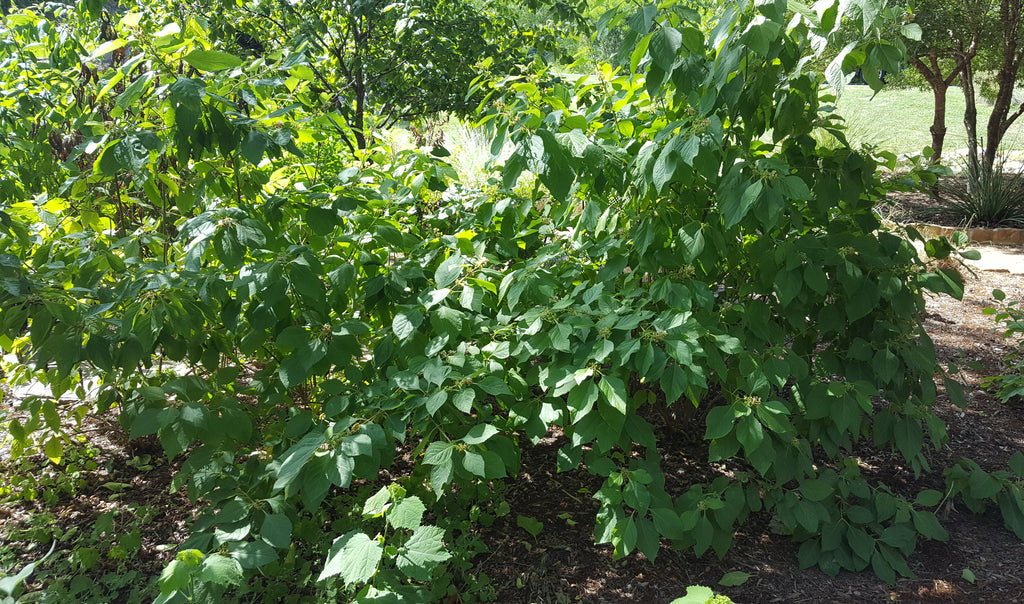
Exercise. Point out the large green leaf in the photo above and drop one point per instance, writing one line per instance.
(407, 513)
(664, 47)
(212, 60)
(354, 556)
(277, 530)
(422, 553)
(296, 457)
(222, 570)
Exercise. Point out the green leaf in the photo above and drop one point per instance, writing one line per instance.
(254, 145)
(448, 271)
(134, 91)
(474, 463)
(735, 210)
(354, 556)
(175, 576)
(816, 279)
(253, 554)
(407, 513)
(734, 578)
(463, 400)
(720, 422)
(614, 391)
(277, 530)
(930, 497)
(422, 553)
(750, 433)
(54, 449)
(479, 434)
(106, 48)
(530, 525)
(220, 569)
(928, 525)
(377, 503)
(296, 457)
(883, 569)
(912, 31)
(968, 575)
(955, 390)
(696, 594)
(674, 383)
(12, 586)
(693, 40)
(405, 323)
(664, 47)
(557, 174)
(212, 60)
(1016, 463)
(860, 542)
(816, 490)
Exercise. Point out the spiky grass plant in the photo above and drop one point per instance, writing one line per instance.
(984, 198)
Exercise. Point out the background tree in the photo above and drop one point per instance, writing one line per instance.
(951, 33)
(377, 63)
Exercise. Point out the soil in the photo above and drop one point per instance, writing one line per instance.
(562, 564)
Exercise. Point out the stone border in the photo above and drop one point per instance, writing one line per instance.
(1004, 236)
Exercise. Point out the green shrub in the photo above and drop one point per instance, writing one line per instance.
(359, 340)
(1010, 315)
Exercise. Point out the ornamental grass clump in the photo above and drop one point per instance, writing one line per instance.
(984, 198)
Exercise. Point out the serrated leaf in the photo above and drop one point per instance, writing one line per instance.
(912, 31)
(407, 513)
(354, 556)
(614, 391)
(175, 576)
(438, 452)
(220, 569)
(422, 553)
(54, 449)
(928, 525)
(696, 594)
(720, 421)
(253, 554)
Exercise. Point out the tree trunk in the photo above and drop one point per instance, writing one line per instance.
(939, 86)
(359, 121)
(970, 115)
(1006, 77)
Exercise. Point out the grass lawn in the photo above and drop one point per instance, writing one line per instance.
(898, 120)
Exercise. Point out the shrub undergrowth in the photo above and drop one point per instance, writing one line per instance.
(344, 350)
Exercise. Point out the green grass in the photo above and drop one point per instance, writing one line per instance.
(898, 120)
